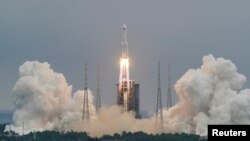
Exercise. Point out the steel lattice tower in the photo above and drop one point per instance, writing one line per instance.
(169, 96)
(158, 115)
(98, 96)
(23, 128)
(85, 112)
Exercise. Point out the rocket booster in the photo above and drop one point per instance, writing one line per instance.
(124, 42)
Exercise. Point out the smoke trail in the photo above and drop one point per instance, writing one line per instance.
(210, 94)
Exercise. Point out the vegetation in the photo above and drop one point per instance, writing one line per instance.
(2, 127)
(83, 136)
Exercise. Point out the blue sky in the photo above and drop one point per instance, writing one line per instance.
(67, 33)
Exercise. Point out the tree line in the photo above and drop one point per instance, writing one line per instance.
(83, 136)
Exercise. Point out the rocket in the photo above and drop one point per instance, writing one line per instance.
(124, 42)
(124, 60)
(127, 90)
(124, 86)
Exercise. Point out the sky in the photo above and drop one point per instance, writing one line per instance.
(67, 33)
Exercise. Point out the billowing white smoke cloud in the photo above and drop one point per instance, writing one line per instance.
(43, 101)
(208, 95)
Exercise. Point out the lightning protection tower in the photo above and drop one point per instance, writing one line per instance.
(85, 112)
(169, 95)
(98, 95)
(158, 114)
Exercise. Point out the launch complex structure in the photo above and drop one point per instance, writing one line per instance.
(127, 90)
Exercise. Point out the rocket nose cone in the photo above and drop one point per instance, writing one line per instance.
(124, 27)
